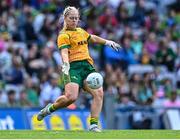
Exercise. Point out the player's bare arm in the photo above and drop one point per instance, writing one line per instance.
(97, 39)
(65, 58)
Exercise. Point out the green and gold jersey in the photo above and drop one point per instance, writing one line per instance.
(77, 43)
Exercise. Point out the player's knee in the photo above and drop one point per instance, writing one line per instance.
(71, 98)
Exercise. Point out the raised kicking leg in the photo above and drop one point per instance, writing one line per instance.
(71, 94)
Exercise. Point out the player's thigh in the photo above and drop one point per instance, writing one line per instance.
(75, 76)
(72, 90)
(87, 70)
(94, 92)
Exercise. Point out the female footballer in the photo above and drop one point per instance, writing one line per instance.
(72, 42)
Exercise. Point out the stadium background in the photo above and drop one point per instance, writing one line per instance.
(142, 80)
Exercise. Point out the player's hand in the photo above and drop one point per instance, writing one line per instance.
(113, 45)
(65, 68)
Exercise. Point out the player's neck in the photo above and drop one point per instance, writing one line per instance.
(69, 29)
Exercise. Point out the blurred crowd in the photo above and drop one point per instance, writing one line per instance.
(146, 71)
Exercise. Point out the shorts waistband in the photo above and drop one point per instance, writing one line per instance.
(81, 62)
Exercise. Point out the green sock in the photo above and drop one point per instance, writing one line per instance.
(52, 108)
(93, 121)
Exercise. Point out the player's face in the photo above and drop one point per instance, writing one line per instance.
(72, 19)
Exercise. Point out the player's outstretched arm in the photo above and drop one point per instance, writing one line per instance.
(112, 44)
(65, 58)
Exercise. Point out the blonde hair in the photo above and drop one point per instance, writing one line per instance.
(68, 9)
(65, 13)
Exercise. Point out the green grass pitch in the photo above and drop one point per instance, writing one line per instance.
(106, 134)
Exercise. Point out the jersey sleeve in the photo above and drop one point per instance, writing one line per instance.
(63, 41)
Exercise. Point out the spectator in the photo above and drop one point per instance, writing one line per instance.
(5, 57)
(136, 45)
(165, 55)
(23, 101)
(151, 44)
(125, 101)
(171, 18)
(31, 62)
(47, 29)
(139, 13)
(122, 84)
(174, 100)
(12, 102)
(3, 99)
(14, 75)
(108, 20)
(144, 95)
(122, 14)
(134, 83)
(145, 57)
(30, 34)
(168, 86)
(32, 93)
(50, 92)
(129, 55)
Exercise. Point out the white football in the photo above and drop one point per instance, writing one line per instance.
(94, 80)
